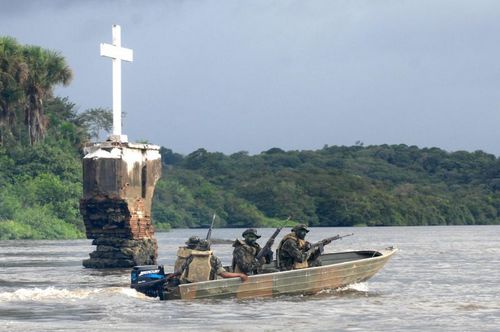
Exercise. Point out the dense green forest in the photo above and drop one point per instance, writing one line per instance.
(386, 185)
(41, 139)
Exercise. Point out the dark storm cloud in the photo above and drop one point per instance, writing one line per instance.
(250, 75)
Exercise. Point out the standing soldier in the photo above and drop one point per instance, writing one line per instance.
(244, 253)
(294, 251)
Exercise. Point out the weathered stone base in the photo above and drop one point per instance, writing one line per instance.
(107, 217)
(122, 253)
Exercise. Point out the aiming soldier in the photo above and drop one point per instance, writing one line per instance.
(294, 252)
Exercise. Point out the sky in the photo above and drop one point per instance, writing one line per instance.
(232, 76)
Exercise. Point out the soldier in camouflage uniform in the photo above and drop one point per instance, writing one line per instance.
(293, 251)
(244, 253)
(203, 265)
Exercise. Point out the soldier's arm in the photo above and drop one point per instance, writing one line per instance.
(221, 271)
(184, 266)
(315, 252)
(242, 276)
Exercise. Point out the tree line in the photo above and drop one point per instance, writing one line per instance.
(383, 185)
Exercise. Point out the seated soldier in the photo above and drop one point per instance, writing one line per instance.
(203, 265)
(245, 252)
(294, 251)
(185, 251)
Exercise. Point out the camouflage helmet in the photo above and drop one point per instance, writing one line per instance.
(300, 226)
(193, 240)
(250, 231)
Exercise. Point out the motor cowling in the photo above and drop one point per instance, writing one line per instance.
(148, 279)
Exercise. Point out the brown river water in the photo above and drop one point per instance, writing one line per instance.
(441, 279)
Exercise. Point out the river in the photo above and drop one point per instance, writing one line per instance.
(443, 278)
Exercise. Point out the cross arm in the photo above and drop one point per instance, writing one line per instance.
(116, 52)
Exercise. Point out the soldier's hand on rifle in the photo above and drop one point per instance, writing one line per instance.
(257, 264)
(321, 248)
(269, 257)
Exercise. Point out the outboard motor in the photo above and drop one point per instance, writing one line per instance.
(148, 279)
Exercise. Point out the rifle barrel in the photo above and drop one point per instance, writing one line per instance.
(209, 233)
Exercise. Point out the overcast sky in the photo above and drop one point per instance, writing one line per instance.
(234, 76)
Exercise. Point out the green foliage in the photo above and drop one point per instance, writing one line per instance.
(36, 223)
(162, 227)
(40, 192)
(13, 230)
(40, 141)
(44, 225)
(9, 203)
(384, 185)
(96, 120)
(28, 75)
(58, 196)
(168, 157)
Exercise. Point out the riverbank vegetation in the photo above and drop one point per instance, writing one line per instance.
(40, 145)
(41, 139)
(385, 185)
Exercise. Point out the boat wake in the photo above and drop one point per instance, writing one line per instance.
(359, 288)
(53, 293)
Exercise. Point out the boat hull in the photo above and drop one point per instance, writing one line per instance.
(338, 270)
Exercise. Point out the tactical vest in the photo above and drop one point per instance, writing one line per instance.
(300, 244)
(200, 268)
(182, 254)
(253, 252)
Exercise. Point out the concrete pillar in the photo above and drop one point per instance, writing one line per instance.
(118, 185)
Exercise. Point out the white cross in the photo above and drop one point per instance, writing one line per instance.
(117, 54)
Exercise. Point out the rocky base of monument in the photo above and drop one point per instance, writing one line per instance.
(122, 232)
(106, 217)
(122, 253)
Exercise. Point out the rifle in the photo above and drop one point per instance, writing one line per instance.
(209, 233)
(269, 243)
(324, 242)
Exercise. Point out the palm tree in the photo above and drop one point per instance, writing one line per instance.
(13, 75)
(46, 69)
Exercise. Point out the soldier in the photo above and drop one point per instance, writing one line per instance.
(185, 251)
(244, 253)
(203, 265)
(293, 250)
